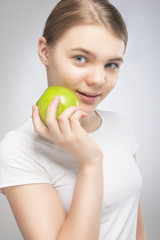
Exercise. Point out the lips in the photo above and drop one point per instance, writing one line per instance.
(88, 94)
(87, 97)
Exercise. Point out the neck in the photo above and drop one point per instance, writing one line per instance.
(92, 122)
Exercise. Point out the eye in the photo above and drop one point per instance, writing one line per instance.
(80, 59)
(112, 65)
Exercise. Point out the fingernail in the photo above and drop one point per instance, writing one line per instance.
(33, 108)
(56, 98)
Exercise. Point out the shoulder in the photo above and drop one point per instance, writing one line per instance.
(20, 160)
(122, 126)
(22, 132)
(119, 126)
(117, 122)
(112, 117)
(17, 140)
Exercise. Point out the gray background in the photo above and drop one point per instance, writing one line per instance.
(23, 79)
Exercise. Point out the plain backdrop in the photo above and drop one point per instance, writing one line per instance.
(136, 96)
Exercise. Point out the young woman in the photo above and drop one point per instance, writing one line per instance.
(76, 178)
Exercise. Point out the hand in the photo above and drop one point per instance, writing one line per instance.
(68, 132)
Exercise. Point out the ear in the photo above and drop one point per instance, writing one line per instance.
(43, 51)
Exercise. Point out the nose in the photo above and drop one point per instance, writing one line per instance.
(97, 76)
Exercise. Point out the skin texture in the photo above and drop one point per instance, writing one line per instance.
(78, 70)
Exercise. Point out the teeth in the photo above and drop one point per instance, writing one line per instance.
(85, 94)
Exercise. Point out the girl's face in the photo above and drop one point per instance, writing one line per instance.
(86, 60)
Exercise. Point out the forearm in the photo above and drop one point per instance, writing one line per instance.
(141, 235)
(83, 220)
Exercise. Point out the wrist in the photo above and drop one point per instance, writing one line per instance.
(92, 167)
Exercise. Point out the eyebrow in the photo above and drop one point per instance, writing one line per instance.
(93, 55)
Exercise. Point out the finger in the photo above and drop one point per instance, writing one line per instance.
(74, 119)
(64, 119)
(51, 121)
(67, 113)
(38, 125)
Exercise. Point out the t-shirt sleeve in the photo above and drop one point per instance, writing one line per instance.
(130, 135)
(20, 163)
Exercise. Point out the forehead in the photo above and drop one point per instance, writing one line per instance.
(95, 38)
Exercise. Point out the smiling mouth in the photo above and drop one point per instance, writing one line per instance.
(88, 94)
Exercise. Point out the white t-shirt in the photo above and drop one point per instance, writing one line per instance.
(26, 157)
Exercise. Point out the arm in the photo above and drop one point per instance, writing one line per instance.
(40, 215)
(141, 235)
(84, 217)
(37, 208)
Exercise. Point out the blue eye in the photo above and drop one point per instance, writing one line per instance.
(80, 59)
(112, 65)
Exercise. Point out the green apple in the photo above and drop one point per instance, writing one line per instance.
(67, 98)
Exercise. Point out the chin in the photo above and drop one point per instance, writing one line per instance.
(88, 109)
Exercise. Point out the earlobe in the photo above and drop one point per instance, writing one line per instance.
(43, 51)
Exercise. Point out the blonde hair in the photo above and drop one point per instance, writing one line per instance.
(69, 13)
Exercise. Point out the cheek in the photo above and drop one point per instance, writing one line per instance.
(110, 84)
(112, 81)
(72, 73)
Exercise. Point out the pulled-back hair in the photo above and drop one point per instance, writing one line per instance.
(69, 13)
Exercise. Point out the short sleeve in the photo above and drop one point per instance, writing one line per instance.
(19, 162)
(130, 135)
